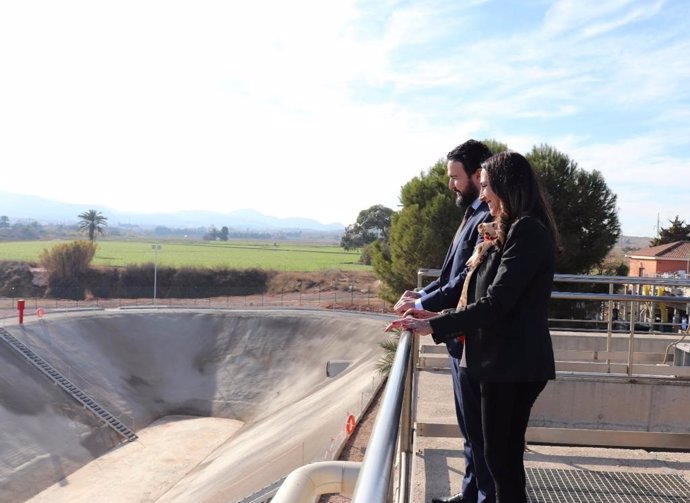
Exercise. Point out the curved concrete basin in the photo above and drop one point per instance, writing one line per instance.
(224, 402)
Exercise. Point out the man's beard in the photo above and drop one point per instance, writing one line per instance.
(466, 197)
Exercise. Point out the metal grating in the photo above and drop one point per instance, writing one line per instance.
(578, 486)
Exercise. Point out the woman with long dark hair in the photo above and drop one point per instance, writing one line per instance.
(508, 348)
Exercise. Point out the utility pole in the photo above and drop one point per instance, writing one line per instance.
(156, 248)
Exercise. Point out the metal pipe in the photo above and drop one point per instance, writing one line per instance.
(375, 475)
(609, 328)
(403, 495)
(308, 482)
(616, 296)
(579, 278)
(406, 429)
(621, 280)
(631, 339)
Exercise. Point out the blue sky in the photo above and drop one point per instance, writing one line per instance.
(321, 109)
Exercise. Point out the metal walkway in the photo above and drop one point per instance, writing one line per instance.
(580, 486)
(52, 374)
(556, 473)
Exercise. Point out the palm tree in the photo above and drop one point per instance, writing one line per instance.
(93, 222)
(390, 346)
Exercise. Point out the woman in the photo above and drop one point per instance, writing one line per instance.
(507, 342)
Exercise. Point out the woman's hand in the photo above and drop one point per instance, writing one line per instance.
(420, 314)
(417, 326)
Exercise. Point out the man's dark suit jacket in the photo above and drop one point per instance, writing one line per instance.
(444, 291)
(506, 320)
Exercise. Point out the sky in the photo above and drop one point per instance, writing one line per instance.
(320, 109)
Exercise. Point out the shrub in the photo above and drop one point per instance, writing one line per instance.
(136, 281)
(68, 259)
(103, 283)
(67, 265)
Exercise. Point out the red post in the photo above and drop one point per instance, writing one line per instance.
(20, 308)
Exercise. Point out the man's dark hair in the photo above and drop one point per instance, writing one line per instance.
(471, 154)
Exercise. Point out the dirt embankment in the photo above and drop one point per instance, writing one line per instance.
(359, 281)
(18, 279)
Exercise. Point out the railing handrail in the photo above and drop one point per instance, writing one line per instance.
(374, 481)
(621, 280)
(580, 278)
(618, 296)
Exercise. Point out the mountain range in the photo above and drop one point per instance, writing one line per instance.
(20, 207)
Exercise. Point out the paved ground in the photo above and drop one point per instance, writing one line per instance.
(145, 470)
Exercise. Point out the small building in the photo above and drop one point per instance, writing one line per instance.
(670, 259)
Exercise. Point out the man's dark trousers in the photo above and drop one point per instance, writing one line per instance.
(446, 291)
(468, 411)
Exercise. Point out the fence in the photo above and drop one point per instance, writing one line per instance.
(328, 299)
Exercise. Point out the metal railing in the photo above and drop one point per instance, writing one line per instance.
(385, 471)
(633, 303)
(633, 294)
(375, 478)
(372, 480)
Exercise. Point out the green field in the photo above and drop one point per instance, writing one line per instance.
(232, 254)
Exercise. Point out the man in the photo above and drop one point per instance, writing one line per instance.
(464, 164)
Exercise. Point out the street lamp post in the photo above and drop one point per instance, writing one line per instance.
(155, 247)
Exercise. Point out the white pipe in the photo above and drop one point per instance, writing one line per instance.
(309, 481)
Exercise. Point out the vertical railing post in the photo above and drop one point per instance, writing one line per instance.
(631, 339)
(609, 332)
(407, 426)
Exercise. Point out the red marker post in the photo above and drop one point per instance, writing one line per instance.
(350, 424)
(20, 307)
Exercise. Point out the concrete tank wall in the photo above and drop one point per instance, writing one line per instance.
(264, 368)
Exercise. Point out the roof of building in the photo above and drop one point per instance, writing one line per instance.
(675, 250)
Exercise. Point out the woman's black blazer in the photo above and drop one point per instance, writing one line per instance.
(505, 324)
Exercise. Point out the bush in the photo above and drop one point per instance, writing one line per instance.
(136, 281)
(69, 259)
(68, 265)
(103, 283)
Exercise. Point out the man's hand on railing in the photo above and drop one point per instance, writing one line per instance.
(406, 301)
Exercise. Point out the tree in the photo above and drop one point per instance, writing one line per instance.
(583, 206)
(429, 216)
(372, 224)
(212, 234)
(93, 222)
(678, 231)
(224, 233)
(4, 222)
(495, 146)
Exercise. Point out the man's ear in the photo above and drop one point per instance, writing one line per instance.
(476, 178)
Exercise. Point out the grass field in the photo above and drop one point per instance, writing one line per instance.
(232, 254)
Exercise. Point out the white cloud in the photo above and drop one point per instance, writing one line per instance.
(592, 17)
(321, 109)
